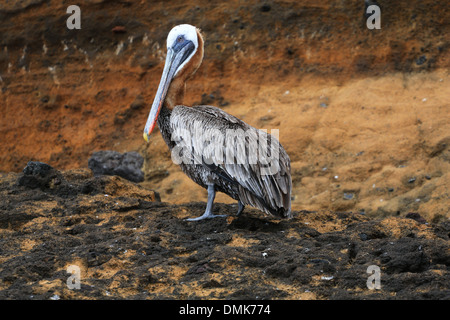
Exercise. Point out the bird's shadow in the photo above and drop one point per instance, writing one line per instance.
(250, 219)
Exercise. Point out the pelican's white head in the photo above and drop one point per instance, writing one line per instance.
(183, 43)
(179, 37)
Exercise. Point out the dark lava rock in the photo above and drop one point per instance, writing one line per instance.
(266, 8)
(416, 216)
(421, 60)
(405, 255)
(412, 180)
(40, 175)
(128, 246)
(126, 165)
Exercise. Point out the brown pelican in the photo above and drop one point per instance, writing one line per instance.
(213, 148)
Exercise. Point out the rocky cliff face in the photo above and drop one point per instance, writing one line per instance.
(362, 114)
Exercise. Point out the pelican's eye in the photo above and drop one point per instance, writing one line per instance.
(180, 39)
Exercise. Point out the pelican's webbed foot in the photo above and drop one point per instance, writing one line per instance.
(206, 215)
(209, 206)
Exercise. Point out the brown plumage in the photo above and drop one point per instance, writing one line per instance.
(213, 148)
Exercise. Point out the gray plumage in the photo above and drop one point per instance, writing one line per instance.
(213, 147)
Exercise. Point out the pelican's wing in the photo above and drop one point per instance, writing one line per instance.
(251, 159)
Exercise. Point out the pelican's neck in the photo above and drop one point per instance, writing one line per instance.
(174, 98)
(164, 125)
(175, 94)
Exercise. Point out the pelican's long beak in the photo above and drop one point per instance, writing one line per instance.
(175, 57)
(164, 85)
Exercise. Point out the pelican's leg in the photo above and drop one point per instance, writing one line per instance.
(240, 207)
(209, 206)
